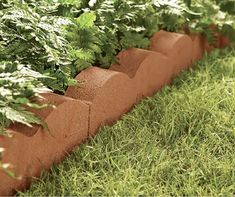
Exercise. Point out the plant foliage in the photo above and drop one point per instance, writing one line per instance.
(18, 83)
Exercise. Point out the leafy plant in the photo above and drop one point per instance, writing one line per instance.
(211, 20)
(227, 6)
(172, 14)
(115, 25)
(18, 83)
(84, 40)
(29, 38)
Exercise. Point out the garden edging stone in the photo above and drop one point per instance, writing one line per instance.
(103, 98)
(149, 70)
(29, 155)
(178, 47)
(111, 95)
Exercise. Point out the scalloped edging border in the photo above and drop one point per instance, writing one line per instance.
(105, 96)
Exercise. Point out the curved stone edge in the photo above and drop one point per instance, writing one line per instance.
(178, 47)
(28, 156)
(155, 72)
(110, 93)
(102, 99)
(148, 73)
(129, 61)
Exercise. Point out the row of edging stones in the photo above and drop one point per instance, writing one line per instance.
(102, 99)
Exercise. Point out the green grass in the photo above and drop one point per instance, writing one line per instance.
(179, 142)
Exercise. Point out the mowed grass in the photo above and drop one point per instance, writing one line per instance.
(179, 142)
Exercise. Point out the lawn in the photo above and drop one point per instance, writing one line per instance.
(179, 142)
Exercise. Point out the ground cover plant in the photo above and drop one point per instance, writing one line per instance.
(179, 142)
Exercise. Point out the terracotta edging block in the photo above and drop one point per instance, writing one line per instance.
(110, 93)
(149, 70)
(224, 42)
(68, 127)
(52, 100)
(102, 99)
(207, 46)
(178, 47)
(221, 43)
(198, 47)
(129, 61)
(200, 43)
